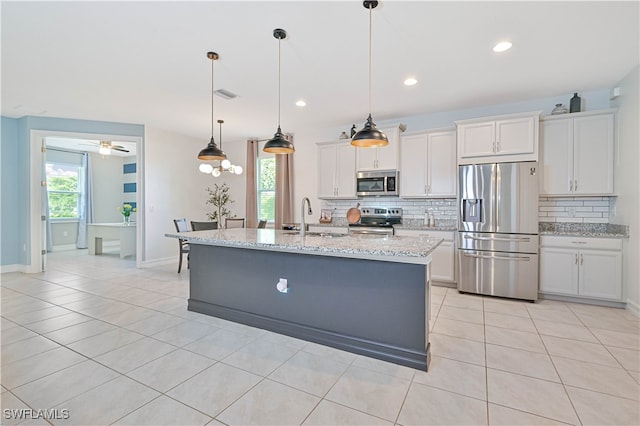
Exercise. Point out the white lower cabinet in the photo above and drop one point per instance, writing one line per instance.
(583, 267)
(443, 259)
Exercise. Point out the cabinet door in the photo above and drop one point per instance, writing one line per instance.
(515, 136)
(413, 172)
(442, 262)
(593, 154)
(559, 271)
(345, 175)
(387, 156)
(326, 171)
(600, 274)
(556, 157)
(441, 164)
(366, 158)
(476, 139)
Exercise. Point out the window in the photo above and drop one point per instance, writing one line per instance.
(266, 188)
(63, 189)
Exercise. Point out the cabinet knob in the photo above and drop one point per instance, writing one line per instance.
(581, 259)
(576, 258)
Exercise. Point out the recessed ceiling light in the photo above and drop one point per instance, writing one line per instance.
(502, 46)
(301, 103)
(410, 81)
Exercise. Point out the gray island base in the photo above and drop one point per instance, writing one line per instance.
(337, 293)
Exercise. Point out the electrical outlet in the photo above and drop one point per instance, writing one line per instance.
(572, 211)
(65, 234)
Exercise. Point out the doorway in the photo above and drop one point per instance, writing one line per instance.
(124, 150)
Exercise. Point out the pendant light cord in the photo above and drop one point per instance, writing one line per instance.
(212, 61)
(279, 77)
(370, 13)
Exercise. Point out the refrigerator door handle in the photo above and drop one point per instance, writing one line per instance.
(517, 258)
(515, 240)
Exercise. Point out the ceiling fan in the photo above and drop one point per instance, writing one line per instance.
(105, 147)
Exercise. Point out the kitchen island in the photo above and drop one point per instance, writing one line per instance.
(367, 295)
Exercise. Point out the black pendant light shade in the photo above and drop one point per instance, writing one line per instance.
(369, 136)
(279, 144)
(212, 152)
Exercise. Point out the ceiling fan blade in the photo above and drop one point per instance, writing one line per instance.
(119, 148)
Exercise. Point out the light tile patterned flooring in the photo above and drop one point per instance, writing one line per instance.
(115, 345)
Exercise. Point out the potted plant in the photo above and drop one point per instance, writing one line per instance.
(219, 197)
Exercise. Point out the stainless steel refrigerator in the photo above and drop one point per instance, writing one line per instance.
(498, 229)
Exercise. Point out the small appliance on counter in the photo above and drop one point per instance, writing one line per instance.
(498, 229)
(377, 221)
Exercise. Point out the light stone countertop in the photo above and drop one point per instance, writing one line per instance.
(570, 229)
(399, 249)
(597, 230)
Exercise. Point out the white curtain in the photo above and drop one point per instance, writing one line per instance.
(85, 213)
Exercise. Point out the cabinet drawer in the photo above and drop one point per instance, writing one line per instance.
(579, 243)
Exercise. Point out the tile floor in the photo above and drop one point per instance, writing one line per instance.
(112, 344)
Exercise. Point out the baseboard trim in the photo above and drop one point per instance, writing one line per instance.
(5, 269)
(607, 303)
(633, 307)
(162, 262)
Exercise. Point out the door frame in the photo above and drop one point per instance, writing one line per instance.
(36, 207)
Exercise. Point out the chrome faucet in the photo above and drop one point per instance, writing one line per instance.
(303, 228)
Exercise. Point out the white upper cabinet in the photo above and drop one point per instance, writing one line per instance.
(498, 139)
(577, 154)
(428, 164)
(380, 158)
(336, 170)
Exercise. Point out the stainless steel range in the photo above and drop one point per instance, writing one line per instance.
(377, 220)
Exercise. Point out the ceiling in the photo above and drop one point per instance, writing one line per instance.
(91, 145)
(145, 62)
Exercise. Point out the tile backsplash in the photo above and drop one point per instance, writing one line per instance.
(441, 209)
(576, 209)
(551, 209)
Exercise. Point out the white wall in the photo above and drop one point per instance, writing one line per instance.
(628, 181)
(174, 188)
(107, 188)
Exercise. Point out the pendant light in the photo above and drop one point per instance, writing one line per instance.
(369, 136)
(224, 166)
(279, 144)
(212, 152)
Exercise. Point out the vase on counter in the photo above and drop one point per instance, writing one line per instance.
(559, 109)
(575, 103)
(127, 220)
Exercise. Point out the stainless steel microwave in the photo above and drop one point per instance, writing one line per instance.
(377, 183)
